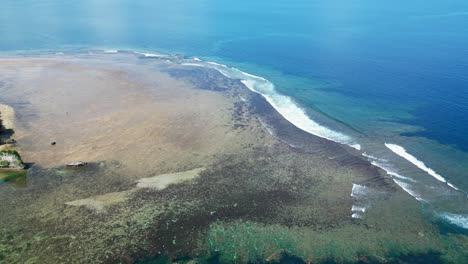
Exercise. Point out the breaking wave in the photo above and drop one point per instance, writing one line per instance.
(151, 55)
(400, 151)
(391, 172)
(285, 105)
(456, 219)
(372, 157)
(405, 186)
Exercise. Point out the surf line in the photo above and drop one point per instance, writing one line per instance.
(285, 105)
(401, 151)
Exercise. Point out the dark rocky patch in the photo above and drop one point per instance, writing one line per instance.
(204, 78)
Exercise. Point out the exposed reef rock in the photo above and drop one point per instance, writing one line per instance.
(7, 126)
(11, 159)
(161, 182)
(7, 114)
(8, 158)
(76, 164)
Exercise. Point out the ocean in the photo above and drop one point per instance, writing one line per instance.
(389, 79)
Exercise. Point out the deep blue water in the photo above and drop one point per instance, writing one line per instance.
(389, 70)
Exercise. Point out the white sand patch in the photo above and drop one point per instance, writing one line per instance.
(159, 182)
(162, 181)
(100, 202)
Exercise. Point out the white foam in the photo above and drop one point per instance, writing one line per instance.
(391, 172)
(358, 190)
(373, 157)
(356, 208)
(111, 51)
(242, 99)
(151, 55)
(283, 104)
(191, 64)
(453, 186)
(406, 188)
(400, 151)
(204, 66)
(456, 219)
(224, 73)
(216, 64)
(253, 76)
(196, 59)
(294, 114)
(356, 216)
(356, 146)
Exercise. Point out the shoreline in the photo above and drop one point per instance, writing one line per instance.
(282, 184)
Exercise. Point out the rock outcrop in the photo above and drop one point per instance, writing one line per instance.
(6, 126)
(11, 159)
(76, 164)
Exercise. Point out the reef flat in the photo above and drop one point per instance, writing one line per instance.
(185, 164)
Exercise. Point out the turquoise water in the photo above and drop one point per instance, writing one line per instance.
(362, 73)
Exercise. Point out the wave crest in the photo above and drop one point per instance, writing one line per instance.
(456, 219)
(401, 151)
(285, 105)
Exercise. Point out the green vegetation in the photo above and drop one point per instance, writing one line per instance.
(6, 140)
(243, 242)
(12, 175)
(249, 242)
(10, 152)
(4, 163)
